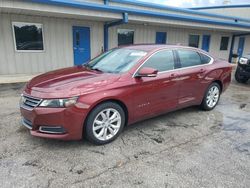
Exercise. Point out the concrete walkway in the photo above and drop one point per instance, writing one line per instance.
(17, 78)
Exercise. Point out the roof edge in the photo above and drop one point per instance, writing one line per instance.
(184, 10)
(133, 11)
(221, 6)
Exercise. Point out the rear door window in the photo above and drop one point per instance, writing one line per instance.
(189, 58)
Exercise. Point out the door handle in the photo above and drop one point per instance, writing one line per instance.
(173, 75)
(202, 70)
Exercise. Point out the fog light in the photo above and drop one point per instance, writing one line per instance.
(52, 130)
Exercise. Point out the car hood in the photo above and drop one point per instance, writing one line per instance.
(69, 82)
(246, 56)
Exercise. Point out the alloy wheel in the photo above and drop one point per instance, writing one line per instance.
(213, 96)
(107, 123)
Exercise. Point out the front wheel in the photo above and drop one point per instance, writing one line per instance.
(211, 97)
(104, 123)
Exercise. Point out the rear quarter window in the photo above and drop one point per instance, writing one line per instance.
(205, 59)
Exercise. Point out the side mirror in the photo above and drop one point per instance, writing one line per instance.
(146, 72)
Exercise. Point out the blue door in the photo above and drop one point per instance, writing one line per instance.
(241, 46)
(81, 45)
(205, 42)
(161, 38)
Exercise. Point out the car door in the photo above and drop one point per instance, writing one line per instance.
(192, 72)
(154, 95)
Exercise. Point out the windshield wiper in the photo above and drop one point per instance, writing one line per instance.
(87, 66)
(96, 69)
(91, 68)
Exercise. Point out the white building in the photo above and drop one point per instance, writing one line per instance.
(42, 35)
(241, 41)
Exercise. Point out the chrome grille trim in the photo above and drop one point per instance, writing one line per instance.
(30, 102)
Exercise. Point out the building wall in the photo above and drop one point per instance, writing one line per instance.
(147, 34)
(243, 12)
(58, 38)
(165, 10)
(246, 45)
(43, 9)
(58, 41)
(183, 24)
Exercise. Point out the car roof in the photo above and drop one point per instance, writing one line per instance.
(155, 47)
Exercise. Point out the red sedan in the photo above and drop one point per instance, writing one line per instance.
(120, 87)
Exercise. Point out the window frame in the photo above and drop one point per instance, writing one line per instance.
(14, 37)
(125, 30)
(176, 61)
(161, 72)
(160, 52)
(198, 52)
(227, 42)
(205, 55)
(198, 40)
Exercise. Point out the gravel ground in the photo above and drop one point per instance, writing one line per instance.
(187, 148)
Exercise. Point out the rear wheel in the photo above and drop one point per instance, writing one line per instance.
(239, 78)
(104, 123)
(211, 97)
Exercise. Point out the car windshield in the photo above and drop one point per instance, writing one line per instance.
(116, 60)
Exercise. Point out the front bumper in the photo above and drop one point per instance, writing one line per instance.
(244, 70)
(55, 123)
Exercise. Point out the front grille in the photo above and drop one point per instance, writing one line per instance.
(29, 102)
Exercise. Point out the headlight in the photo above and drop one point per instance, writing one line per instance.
(243, 61)
(58, 103)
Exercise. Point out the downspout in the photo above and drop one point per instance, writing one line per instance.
(107, 25)
(231, 49)
(106, 37)
(232, 44)
(106, 2)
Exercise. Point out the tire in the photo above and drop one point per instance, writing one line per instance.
(211, 97)
(239, 78)
(98, 124)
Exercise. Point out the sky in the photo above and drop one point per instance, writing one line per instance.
(195, 3)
